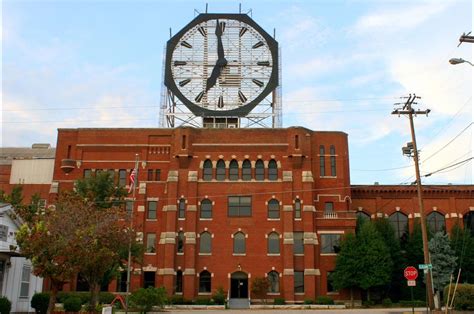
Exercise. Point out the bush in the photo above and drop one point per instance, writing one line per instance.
(322, 299)
(387, 302)
(73, 304)
(219, 296)
(279, 301)
(204, 301)
(5, 305)
(308, 301)
(464, 300)
(145, 299)
(85, 296)
(106, 297)
(368, 303)
(40, 302)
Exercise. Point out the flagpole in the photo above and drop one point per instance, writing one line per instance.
(129, 261)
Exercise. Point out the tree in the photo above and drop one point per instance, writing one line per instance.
(145, 299)
(260, 287)
(414, 256)
(100, 190)
(463, 244)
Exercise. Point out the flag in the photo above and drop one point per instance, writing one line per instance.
(132, 180)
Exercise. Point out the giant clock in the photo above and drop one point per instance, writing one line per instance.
(221, 65)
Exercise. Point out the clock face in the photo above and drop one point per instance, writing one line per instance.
(221, 65)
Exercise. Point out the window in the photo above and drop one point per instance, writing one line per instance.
(329, 282)
(330, 243)
(332, 151)
(246, 170)
(150, 243)
(322, 166)
(111, 174)
(122, 178)
(273, 209)
(399, 222)
(328, 208)
(273, 243)
(205, 243)
(272, 170)
(148, 279)
(25, 282)
(469, 222)
(298, 245)
(129, 207)
(179, 282)
(220, 170)
(239, 243)
(122, 282)
(297, 142)
(299, 282)
(239, 206)
(182, 208)
(259, 170)
(183, 142)
(297, 208)
(87, 173)
(151, 214)
(180, 242)
(157, 174)
(206, 209)
(205, 282)
(233, 170)
(436, 222)
(207, 170)
(149, 176)
(362, 216)
(274, 282)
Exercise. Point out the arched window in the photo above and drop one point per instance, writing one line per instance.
(207, 170)
(182, 208)
(297, 208)
(239, 243)
(206, 209)
(469, 222)
(272, 170)
(220, 170)
(399, 222)
(332, 151)
(233, 170)
(180, 242)
(436, 222)
(273, 243)
(179, 282)
(274, 282)
(322, 165)
(205, 243)
(246, 170)
(362, 215)
(273, 209)
(205, 281)
(259, 170)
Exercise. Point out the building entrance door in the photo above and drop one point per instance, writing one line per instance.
(239, 285)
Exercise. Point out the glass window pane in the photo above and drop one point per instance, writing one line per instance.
(150, 243)
(122, 177)
(180, 244)
(220, 170)
(330, 243)
(273, 243)
(274, 280)
(272, 170)
(181, 208)
(239, 243)
(207, 171)
(179, 281)
(246, 170)
(322, 168)
(205, 281)
(299, 281)
(205, 243)
(399, 222)
(151, 210)
(273, 209)
(297, 208)
(206, 209)
(298, 245)
(233, 170)
(259, 170)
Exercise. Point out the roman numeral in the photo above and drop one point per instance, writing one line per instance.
(242, 97)
(177, 63)
(184, 82)
(259, 44)
(264, 63)
(199, 97)
(220, 103)
(186, 44)
(257, 82)
(243, 30)
(203, 31)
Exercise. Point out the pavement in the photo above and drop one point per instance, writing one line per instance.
(286, 311)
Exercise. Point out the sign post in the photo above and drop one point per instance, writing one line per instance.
(411, 274)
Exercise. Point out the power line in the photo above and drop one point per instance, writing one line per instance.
(447, 167)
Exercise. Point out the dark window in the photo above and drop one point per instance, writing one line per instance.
(150, 243)
(329, 282)
(129, 207)
(239, 206)
(205, 281)
(122, 177)
(246, 170)
(298, 245)
(69, 151)
(330, 243)
(233, 170)
(220, 170)
(299, 281)
(332, 151)
(273, 209)
(206, 209)
(273, 243)
(151, 214)
(297, 142)
(239, 243)
(274, 282)
(179, 282)
(122, 282)
(182, 208)
(87, 173)
(150, 175)
(148, 279)
(205, 243)
(157, 174)
(362, 215)
(436, 222)
(207, 170)
(469, 222)
(259, 170)
(183, 142)
(272, 170)
(322, 166)
(399, 223)
(297, 208)
(328, 208)
(180, 242)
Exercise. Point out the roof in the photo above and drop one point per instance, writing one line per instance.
(7, 154)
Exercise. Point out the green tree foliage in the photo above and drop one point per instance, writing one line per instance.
(15, 198)
(100, 190)
(5, 305)
(463, 244)
(145, 299)
(443, 259)
(40, 302)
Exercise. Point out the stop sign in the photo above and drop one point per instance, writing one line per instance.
(410, 273)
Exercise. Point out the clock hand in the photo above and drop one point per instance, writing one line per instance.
(221, 60)
(220, 48)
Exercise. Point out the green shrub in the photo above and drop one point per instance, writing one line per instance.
(308, 301)
(5, 305)
(145, 299)
(204, 301)
(279, 301)
(322, 299)
(219, 296)
(85, 296)
(387, 302)
(178, 299)
(73, 304)
(368, 303)
(106, 297)
(464, 300)
(40, 302)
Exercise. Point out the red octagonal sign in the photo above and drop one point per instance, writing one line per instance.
(410, 273)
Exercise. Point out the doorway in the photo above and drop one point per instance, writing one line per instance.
(239, 285)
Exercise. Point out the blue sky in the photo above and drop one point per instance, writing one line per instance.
(99, 64)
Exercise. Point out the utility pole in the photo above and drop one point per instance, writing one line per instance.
(412, 150)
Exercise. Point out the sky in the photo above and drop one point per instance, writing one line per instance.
(72, 64)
